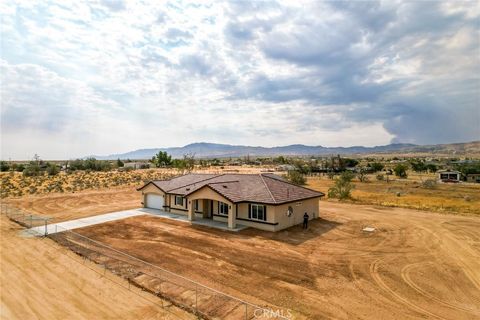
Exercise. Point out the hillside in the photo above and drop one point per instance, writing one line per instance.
(211, 150)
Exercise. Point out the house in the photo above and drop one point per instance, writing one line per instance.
(449, 176)
(473, 177)
(262, 201)
(137, 165)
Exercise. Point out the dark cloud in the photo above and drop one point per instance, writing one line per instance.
(341, 53)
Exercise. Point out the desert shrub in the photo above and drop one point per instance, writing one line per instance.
(401, 170)
(32, 170)
(429, 183)
(52, 169)
(376, 166)
(296, 177)
(4, 166)
(380, 177)
(343, 186)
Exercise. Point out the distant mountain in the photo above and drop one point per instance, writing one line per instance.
(214, 150)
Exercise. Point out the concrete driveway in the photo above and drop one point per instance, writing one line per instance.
(88, 221)
(102, 218)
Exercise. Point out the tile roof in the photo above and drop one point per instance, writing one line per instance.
(262, 188)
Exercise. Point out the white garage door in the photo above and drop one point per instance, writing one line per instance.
(154, 201)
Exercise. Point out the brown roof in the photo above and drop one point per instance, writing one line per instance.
(262, 188)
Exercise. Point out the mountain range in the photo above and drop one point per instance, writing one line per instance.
(215, 150)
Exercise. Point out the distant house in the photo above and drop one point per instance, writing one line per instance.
(285, 167)
(262, 201)
(473, 177)
(449, 176)
(137, 165)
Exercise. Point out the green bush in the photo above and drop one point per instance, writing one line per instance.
(296, 177)
(343, 186)
(401, 170)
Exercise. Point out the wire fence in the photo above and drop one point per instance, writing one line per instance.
(196, 298)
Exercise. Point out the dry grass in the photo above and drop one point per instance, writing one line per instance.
(14, 184)
(461, 198)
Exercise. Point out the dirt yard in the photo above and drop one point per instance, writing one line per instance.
(457, 198)
(415, 265)
(62, 207)
(42, 280)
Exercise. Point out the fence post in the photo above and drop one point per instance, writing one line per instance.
(46, 231)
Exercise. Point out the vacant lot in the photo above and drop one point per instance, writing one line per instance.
(42, 280)
(416, 264)
(70, 206)
(459, 198)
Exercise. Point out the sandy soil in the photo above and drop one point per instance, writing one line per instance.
(68, 206)
(42, 280)
(415, 265)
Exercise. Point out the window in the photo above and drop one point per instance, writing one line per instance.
(196, 205)
(223, 208)
(178, 200)
(258, 212)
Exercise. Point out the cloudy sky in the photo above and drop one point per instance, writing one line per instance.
(111, 76)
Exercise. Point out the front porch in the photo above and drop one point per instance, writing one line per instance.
(198, 220)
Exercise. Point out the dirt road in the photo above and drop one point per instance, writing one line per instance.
(415, 265)
(42, 280)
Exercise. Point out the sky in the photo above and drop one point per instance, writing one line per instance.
(101, 77)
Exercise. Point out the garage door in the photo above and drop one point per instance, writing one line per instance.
(154, 201)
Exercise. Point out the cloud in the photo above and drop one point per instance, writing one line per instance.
(330, 73)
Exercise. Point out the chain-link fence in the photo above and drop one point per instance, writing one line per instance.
(192, 296)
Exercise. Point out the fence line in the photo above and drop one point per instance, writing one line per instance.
(185, 293)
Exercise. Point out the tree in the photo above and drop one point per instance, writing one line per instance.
(120, 163)
(162, 159)
(401, 170)
(186, 164)
(296, 177)
(4, 166)
(362, 175)
(418, 166)
(432, 167)
(52, 169)
(376, 166)
(343, 186)
(32, 169)
(349, 163)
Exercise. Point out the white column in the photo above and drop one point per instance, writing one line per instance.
(191, 210)
(232, 216)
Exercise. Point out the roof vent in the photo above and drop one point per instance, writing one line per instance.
(225, 186)
(188, 189)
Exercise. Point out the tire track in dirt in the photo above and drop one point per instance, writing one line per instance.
(406, 277)
(374, 266)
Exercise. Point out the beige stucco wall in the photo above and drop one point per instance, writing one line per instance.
(311, 206)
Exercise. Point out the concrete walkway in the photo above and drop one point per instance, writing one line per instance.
(102, 218)
(84, 222)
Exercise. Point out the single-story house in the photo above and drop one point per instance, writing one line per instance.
(264, 201)
(449, 176)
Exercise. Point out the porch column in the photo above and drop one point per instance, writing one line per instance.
(232, 217)
(191, 210)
